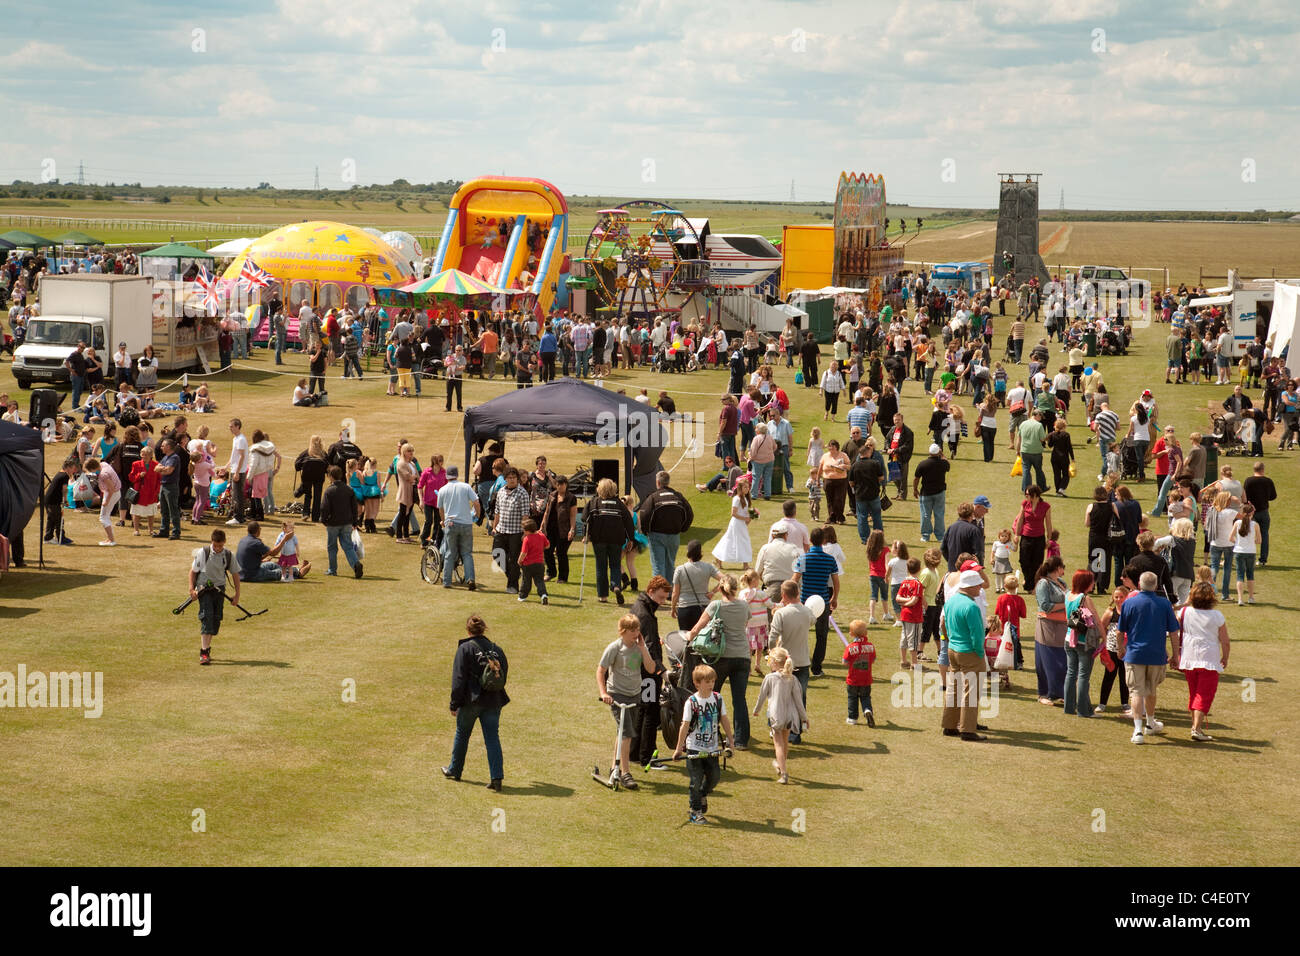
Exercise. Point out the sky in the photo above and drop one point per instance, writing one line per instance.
(1164, 104)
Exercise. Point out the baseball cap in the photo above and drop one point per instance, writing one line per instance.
(970, 579)
(935, 449)
(983, 501)
(969, 566)
(453, 471)
(1146, 393)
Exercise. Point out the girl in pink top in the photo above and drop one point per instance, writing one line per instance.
(431, 479)
(201, 470)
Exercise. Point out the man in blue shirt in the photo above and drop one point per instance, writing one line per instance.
(546, 350)
(459, 506)
(255, 560)
(1147, 621)
(818, 573)
(782, 432)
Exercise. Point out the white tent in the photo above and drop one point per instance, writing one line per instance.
(1284, 326)
(230, 249)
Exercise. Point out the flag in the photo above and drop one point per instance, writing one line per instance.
(208, 283)
(251, 277)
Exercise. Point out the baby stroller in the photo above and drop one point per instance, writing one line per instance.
(475, 366)
(1130, 460)
(672, 698)
(1227, 434)
(1110, 344)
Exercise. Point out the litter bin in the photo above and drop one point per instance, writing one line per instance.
(1090, 343)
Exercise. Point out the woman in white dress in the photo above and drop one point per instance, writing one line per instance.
(734, 548)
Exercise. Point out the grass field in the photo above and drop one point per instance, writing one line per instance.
(1185, 248)
(286, 772)
(422, 219)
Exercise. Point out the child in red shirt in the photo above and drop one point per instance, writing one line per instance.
(911, 612)
(1010, 609)
(859, 655)
(877, 555)
(532, 567)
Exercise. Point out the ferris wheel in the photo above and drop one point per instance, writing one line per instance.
(641, 253)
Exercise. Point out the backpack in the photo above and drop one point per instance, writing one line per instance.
(207, 555)
(491, 668)
(669, 514)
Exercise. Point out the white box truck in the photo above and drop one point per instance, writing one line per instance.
(1248, 304)
(103, 310)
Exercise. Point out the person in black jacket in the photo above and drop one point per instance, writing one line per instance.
(809, 354)
(610, 530)
(898, 446)
(343, 451)
(471, 703)
(311, 465)
(1147, 560)
(665, 514)
(338, 512)
(646, 723)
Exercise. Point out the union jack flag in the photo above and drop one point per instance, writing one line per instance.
(251, 277)
(208, 283)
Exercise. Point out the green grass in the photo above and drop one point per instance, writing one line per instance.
(286, 773)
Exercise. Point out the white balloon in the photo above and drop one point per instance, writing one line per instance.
(815, 603)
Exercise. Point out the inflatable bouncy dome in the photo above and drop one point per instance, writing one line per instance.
(324, 264)
(568, 408)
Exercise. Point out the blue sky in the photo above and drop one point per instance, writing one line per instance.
(1150, 105)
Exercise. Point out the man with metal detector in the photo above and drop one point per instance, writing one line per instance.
(212, 565)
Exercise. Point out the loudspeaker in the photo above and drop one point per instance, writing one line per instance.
(604, 468)
(44, 405)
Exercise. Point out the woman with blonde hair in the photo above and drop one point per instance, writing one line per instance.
(1220, 520)
(733, 665)
(311, 465)
(407, 475)
(611, 531)
(1181, 544)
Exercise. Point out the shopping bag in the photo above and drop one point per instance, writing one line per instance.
(798, 378)
(1017, 469)
(1006, 658)
(358, 544)
(1074, 472)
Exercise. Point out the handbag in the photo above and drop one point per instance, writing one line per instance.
(709, 644)
(132, 496)
(885, 503)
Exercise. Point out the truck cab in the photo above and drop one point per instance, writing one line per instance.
(948, 277)
(50, 340)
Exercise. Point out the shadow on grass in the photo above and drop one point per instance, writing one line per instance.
(538, 789)
(230, 663)
(16, 612)
(50, 581)
(1032, 739)
(876, 748)
(769, 827)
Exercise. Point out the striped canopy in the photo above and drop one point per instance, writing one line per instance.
(450, 282)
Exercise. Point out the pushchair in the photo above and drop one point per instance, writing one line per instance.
(1130, 460)
(1111, 344)
(475, 366)
(1227, 434)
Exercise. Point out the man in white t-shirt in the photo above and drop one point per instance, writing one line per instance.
(796, 532)
(236, 468)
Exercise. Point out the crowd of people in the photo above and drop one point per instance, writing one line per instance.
(955, 592)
